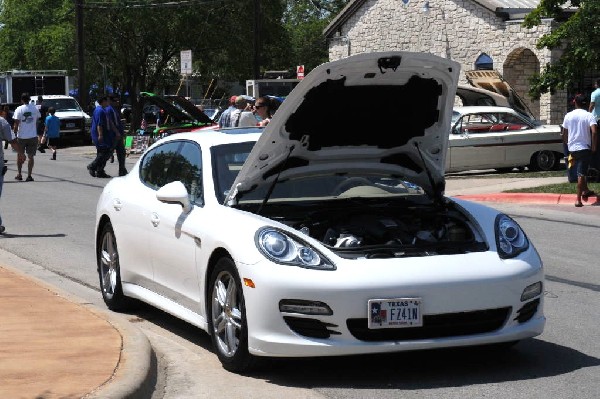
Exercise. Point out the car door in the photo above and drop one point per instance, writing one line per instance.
(521, 139)
(474, 144)
(132, 221)
(173, 244)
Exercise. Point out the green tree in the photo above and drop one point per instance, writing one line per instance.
(305, 21)
(578, 35)
(36, 34)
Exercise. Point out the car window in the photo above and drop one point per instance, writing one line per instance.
(174, 161)
(227, 160)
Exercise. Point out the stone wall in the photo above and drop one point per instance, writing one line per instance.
(458, 29)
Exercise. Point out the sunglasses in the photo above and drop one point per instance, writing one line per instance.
(259, 105)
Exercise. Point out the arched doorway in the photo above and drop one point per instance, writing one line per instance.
(520, 65)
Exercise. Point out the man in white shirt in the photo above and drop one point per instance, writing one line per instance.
(25, 127)
(580, 135)
(6, 134)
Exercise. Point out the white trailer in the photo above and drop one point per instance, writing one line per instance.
(14, 83)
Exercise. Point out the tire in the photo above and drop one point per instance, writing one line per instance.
(544, 160)
(227, 318)
(109, 271)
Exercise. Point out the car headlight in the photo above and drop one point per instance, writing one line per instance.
(281, 248)
(510, 238)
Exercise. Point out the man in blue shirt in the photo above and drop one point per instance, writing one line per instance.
(103, 139)
(113, 112)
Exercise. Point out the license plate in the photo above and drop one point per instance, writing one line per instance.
(395, 313)
(70, 125)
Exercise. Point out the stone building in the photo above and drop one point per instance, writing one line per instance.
(479, 34)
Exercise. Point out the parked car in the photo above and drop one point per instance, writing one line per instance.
(501, 138)
(74, 122)
(318, 236)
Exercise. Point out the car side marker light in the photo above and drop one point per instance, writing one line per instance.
(249, 283)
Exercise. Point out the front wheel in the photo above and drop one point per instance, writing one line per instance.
(109, 271)
(544, 160)
(227, 318)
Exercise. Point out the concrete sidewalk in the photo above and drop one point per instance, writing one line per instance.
(54, 346)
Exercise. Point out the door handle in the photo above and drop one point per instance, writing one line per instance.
(154, 219)
(117, 205)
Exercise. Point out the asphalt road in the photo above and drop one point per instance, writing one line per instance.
(50, 223)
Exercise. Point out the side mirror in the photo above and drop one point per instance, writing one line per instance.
(175, 193)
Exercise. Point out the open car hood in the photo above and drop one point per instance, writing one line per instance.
(492, 80)
(386, 113)
(189, 107)
(173, 116)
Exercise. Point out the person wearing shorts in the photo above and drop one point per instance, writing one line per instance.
(51, 131)
(25, 128)
(580, 135)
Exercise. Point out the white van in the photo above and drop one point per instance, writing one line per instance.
(74, 122)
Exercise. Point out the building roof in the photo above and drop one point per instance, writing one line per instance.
(506, 9)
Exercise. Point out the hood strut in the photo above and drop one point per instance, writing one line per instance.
(437, 196)
(275, 180)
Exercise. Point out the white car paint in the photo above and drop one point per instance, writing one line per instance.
(387, 234)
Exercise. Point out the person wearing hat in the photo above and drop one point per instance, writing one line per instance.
(225, 119)
(580, 128)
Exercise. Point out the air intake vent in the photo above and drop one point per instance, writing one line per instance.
(310, 327)
(527, 311)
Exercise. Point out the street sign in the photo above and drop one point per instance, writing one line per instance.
(300, 71)
(186, 62)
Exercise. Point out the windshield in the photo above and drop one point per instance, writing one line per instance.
(347, 185)
(62, 104)
(227, 160)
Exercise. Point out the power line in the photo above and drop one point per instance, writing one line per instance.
(144, 4)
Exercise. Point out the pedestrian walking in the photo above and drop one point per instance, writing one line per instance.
(43, 108)
(116, 125)
(25, 128)
(51, 132)
(6, 134)
(580, 128)
(102, 138)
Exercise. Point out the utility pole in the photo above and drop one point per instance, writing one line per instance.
(256, 64)
(83, 95)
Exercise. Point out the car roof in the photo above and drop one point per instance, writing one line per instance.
(478, 109)
(214, 137)
(50, 96)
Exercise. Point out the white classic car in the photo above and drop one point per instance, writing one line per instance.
(313, 238)
(500, 138)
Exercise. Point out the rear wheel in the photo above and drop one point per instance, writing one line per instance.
(544, 160)
(109, 271)
(227, 318)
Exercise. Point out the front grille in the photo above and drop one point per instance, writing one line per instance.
(527, 311)
(435, 326)
(310, 327)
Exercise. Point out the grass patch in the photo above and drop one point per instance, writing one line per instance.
(561, 188)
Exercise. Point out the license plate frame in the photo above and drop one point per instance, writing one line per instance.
(394, 313)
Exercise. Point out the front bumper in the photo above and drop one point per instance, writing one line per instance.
(458, 291)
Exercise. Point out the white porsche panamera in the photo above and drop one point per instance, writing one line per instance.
(319, 236)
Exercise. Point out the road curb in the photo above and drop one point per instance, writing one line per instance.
(528, 198)
(136, 374)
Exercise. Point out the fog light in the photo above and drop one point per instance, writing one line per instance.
(304, 307)
(531, 291)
